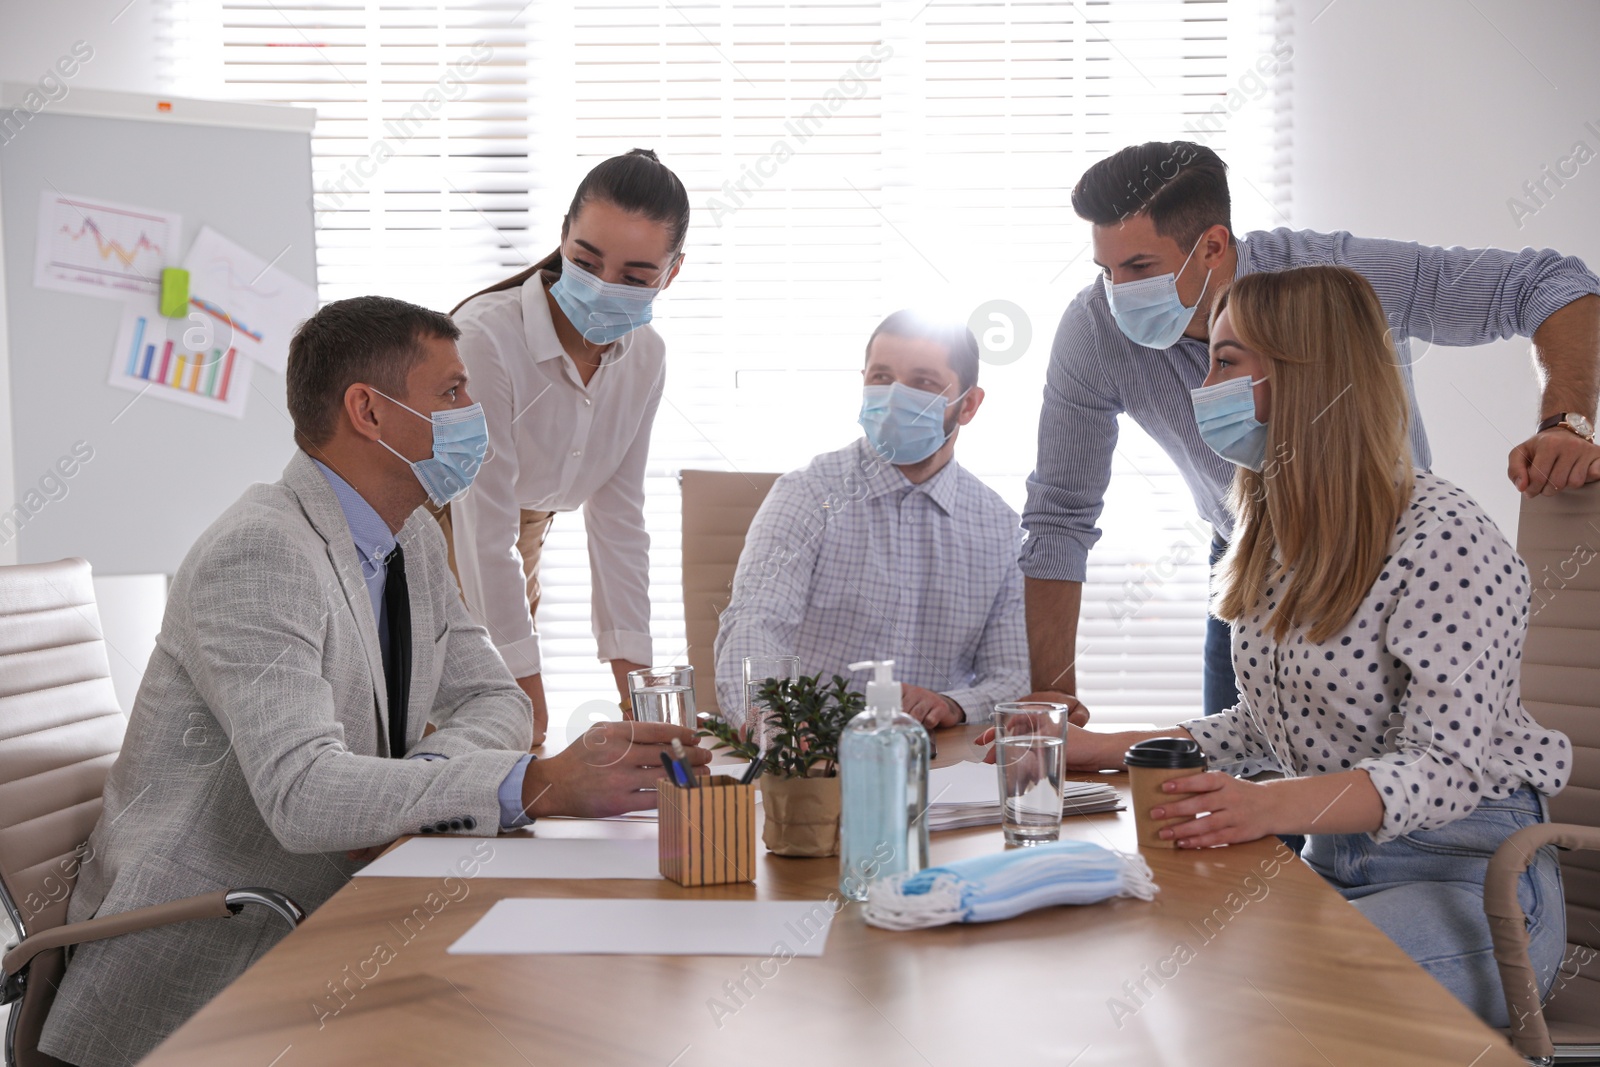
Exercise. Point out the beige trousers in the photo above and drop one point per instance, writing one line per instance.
(533, 529)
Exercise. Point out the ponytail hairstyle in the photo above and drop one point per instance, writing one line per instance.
(1323, 508)
(637, 182)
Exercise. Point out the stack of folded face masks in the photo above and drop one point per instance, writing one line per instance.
(986, 888)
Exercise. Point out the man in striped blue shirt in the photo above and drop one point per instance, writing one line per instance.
(1161, 209)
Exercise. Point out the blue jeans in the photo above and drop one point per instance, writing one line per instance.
(1218, 687)
(1425, 890)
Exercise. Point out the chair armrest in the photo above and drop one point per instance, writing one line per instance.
(217, 905)
(1509, 928)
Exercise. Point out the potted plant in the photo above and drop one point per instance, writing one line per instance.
(802, 721)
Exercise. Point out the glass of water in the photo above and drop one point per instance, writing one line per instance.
(1030, 757)
(663, 694)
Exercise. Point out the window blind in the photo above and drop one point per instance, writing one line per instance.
(843, 159)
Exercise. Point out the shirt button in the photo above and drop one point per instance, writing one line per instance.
(576, 452)
(587, 402)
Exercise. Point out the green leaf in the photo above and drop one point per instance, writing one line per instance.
(804, 723)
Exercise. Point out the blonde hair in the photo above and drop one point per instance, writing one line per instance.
(1338, 474)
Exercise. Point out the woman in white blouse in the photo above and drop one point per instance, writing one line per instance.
(1378, 617)
(570, 374)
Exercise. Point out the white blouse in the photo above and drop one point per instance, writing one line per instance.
(1421, 689)
(556, 444)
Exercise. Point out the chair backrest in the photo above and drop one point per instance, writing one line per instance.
(717, 509)
(1559, 539)
(60, 731)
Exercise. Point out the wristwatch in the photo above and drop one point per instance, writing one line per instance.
(1568, 420)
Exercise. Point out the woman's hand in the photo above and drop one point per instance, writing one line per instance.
(1087, 750)
(1235, 810)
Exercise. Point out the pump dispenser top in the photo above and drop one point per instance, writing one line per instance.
(883, 692)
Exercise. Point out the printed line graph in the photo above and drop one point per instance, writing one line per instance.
(221, 269)
(88, 244)
(114, 257)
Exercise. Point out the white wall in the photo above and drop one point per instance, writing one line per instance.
(122, 34)
(1419, 121)
(130, 607)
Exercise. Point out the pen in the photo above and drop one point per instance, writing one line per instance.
(753, 772)
(674, 772)
(681, 758)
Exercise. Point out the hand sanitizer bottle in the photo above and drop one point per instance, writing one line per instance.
(883, 770)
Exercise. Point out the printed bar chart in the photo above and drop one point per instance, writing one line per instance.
(214, 368)
(152, 359)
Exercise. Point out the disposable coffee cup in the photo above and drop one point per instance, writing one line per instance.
(1149, 764)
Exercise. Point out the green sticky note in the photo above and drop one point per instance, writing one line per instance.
(174, 292)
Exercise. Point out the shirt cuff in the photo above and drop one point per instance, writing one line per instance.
(511, 813)
(522, 657)
(624, 645)
(1556, 293)
(1054, 557)
(977, 704)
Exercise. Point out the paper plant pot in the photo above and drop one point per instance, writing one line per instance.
(801, 816)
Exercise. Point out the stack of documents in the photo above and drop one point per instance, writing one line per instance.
(968, 794)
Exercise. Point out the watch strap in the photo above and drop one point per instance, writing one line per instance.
(1561, 419)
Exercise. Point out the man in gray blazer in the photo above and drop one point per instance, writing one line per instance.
(312, 635)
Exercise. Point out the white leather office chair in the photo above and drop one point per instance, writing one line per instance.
(718, 507)
(60, 731)
(1559, 538)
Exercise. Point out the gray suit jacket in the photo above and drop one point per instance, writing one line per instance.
(257, 753)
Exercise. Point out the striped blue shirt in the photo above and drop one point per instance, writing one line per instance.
(848, 560)
(1433, 296)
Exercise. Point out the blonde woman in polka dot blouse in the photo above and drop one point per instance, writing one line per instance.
(1378, 618)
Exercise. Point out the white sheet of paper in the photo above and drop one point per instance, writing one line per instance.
(964, 783)
(100, 248)
(649, 928)
(518, 857)
(249, 303)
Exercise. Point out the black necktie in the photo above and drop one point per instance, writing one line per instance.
(397, 656)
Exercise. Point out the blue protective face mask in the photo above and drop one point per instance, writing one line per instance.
(601, 311)
(1226, 415)
(460, 441)
(905, 425)
(1149, 311)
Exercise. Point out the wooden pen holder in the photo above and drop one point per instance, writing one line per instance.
(708, 832)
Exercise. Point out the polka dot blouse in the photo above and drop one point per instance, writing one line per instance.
(1421, 689)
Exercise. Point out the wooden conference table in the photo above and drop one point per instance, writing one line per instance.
(1244, 957)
